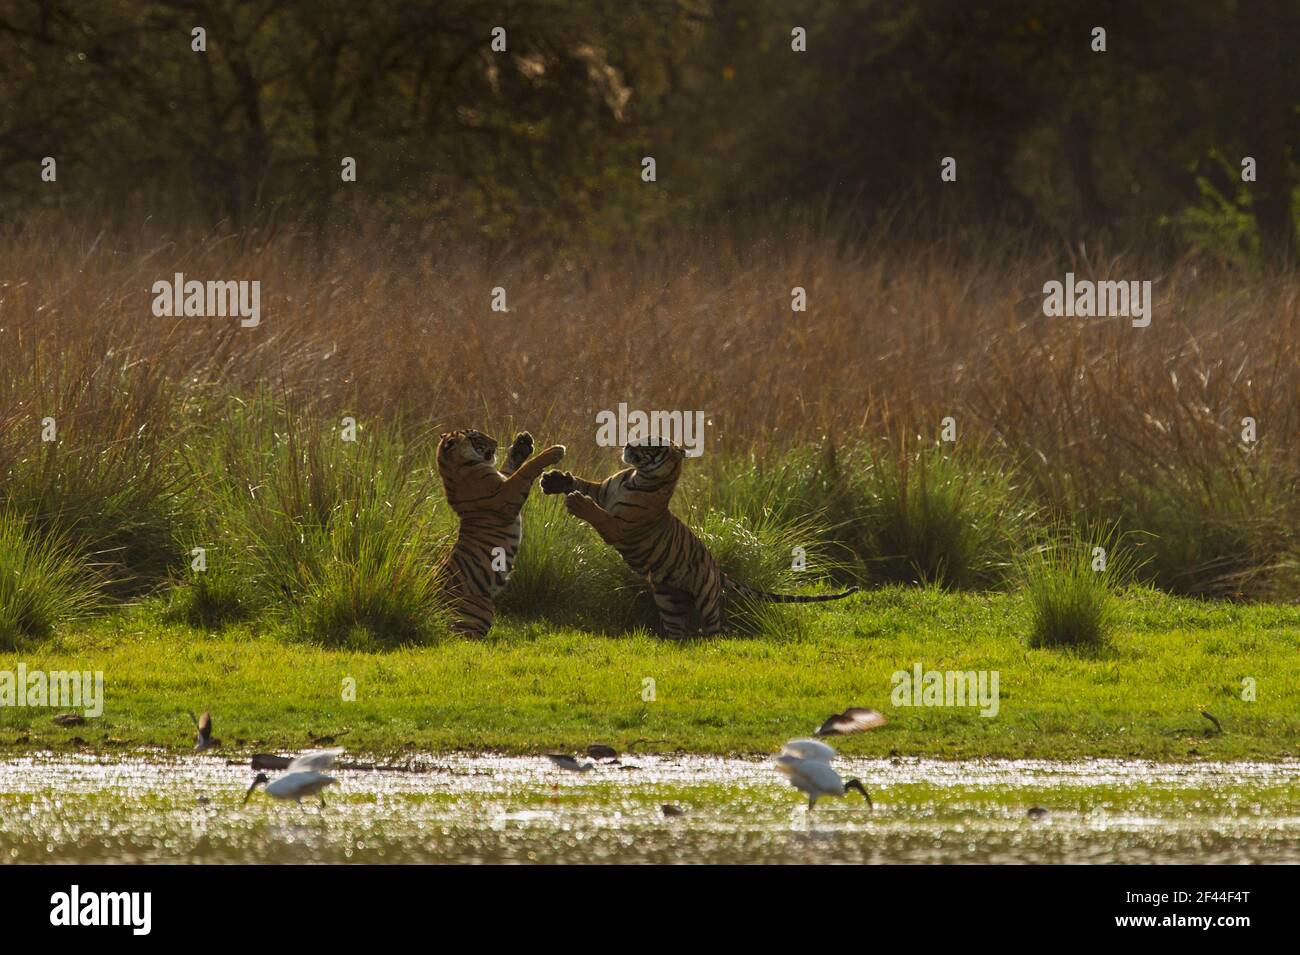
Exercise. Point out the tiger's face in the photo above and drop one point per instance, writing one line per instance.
(466, 447)
(651, 460)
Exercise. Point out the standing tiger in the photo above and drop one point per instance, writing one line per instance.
(488, 503)
(629, 510)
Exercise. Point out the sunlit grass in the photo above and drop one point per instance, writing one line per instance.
(531, 685)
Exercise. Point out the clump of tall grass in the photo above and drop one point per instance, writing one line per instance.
(340, 538)
(763, 554)
(1069, 582)
(375, 587)
(932, 516)
(85, 445)
(1225, 531)
(565, 574)
(42, 583)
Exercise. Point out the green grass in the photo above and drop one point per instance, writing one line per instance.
(532, 686)
(1070, 585)
(926, 515)
(41, 583)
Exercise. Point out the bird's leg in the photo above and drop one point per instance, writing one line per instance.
(322, 802)
(812, 803)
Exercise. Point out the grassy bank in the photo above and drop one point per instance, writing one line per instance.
(532, 686)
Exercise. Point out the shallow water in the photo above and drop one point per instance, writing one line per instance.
(520, 809)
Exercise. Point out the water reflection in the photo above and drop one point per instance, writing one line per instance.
(512, 809)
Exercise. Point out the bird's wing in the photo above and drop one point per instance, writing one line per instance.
(811, 775)
(291, 783)
(823, 779)
(809, 749)
(856, 719)
(315, 761)
(791, 767)
(205, 724)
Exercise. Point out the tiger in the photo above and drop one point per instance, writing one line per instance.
(629, 510)
(488, 503)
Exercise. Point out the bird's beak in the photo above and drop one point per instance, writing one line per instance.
(249, 794)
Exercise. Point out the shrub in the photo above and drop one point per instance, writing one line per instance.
(1070, 602)
(42, 584)
(342, 538)
(937, 517)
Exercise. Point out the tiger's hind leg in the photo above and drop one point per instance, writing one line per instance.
(520, 452)
(471, 614)
(709, 603)
(472, 618)
(675, 606)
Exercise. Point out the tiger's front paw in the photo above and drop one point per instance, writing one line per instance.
(522, 446)
(552, 455)
(557, 482)
(579, 505)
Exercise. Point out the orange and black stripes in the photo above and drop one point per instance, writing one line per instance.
(630, 512)
(488, 504)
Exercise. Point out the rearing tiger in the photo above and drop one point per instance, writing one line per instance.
(488, 503)
(629, 510)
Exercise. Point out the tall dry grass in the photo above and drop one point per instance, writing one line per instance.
(1103, 421)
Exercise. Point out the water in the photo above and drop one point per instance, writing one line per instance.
(520, 809)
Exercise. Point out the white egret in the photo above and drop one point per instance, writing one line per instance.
(305, 777)
(204, 726)
(855, 719)
(807, 764)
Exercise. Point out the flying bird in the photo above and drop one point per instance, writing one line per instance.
(204, 725)
(806, 763)
(305, 777)
(855, 719)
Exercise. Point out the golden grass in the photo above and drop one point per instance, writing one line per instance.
(895, 338)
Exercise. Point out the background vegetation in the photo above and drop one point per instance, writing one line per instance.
(1140, 144)
(521, 170)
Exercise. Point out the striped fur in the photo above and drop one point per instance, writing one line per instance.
(488, 503)
(630, 512)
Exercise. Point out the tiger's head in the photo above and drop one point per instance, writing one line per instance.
(458, 448)
(654, 460)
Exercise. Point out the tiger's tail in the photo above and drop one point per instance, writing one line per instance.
(730, 583)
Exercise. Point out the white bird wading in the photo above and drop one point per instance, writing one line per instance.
(305, 776)
(807, 764)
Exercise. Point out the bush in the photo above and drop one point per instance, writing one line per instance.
(1070, 602)
(341, 538)
(42, 584)
(1215, 532)
(103, 485)
(936, 517)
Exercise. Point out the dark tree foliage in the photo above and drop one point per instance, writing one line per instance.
(1143, 142)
